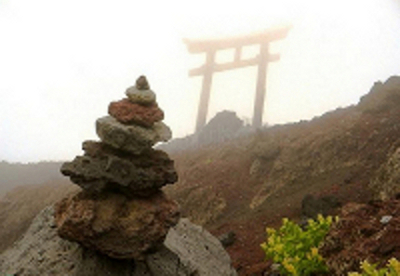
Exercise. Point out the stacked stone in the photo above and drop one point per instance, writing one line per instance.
(122, 211)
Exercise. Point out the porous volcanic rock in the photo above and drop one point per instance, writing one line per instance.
(114, 225)
(188, 250)
(132, 138)
(127, 112)
(365, 232)
(104, 168)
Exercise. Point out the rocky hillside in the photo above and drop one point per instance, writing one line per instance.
(249, 183)
(242, 185)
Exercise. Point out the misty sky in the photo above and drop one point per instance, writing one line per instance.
(62, 62)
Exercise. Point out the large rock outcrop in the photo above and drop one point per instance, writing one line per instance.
(187, 250)
(386, 184)
(121, 212)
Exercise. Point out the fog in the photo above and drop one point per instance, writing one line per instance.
(62, 62)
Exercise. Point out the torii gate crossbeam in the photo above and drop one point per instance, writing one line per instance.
(210, 47)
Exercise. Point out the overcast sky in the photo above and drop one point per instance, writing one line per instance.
(62, 62)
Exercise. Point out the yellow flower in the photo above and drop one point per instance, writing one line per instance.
(314, 251)
(289, 267)
(278, 248)
(270, 231)
(264, 246)
(365, 266)
(395, 264)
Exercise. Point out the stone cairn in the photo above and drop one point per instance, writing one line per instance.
(121, 211)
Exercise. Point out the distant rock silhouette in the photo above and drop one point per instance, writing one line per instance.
(222, 127)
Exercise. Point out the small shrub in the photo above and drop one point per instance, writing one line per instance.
(392, 269)
(297, 249)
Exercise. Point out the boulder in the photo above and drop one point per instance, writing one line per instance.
(127, 112)
(117, 226)
(104, 168)
(187, 250)
(142, 97)
(194, 252)
(132, 138)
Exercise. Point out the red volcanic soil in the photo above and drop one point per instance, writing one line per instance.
(253, 182)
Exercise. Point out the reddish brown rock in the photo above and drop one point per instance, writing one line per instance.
(127, 112)
(365, 232)
(114, 225)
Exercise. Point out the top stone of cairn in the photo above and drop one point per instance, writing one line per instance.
(141, 93)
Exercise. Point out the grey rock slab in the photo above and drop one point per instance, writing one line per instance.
(139, 96)
(132, 138)
(42, 252)
(188, 250)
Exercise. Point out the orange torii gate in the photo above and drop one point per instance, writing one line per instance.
(210, 47)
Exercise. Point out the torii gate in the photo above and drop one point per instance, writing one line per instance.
(210, 47)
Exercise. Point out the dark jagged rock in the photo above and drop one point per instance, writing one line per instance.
(325, 205)
(127, 112)
(114, 225)
(104, 168)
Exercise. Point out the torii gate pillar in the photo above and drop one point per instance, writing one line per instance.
(210, 47)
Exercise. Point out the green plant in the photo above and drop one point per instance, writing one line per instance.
(297, 249)
(392, 269)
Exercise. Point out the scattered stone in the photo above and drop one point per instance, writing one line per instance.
(188, 250)
(131, 138)
(385, 219)
(127, 112)
(227, 239)
(104, 168)
(114, 225)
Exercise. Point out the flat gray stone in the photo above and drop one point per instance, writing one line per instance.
(143, 97)
(132, 138)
